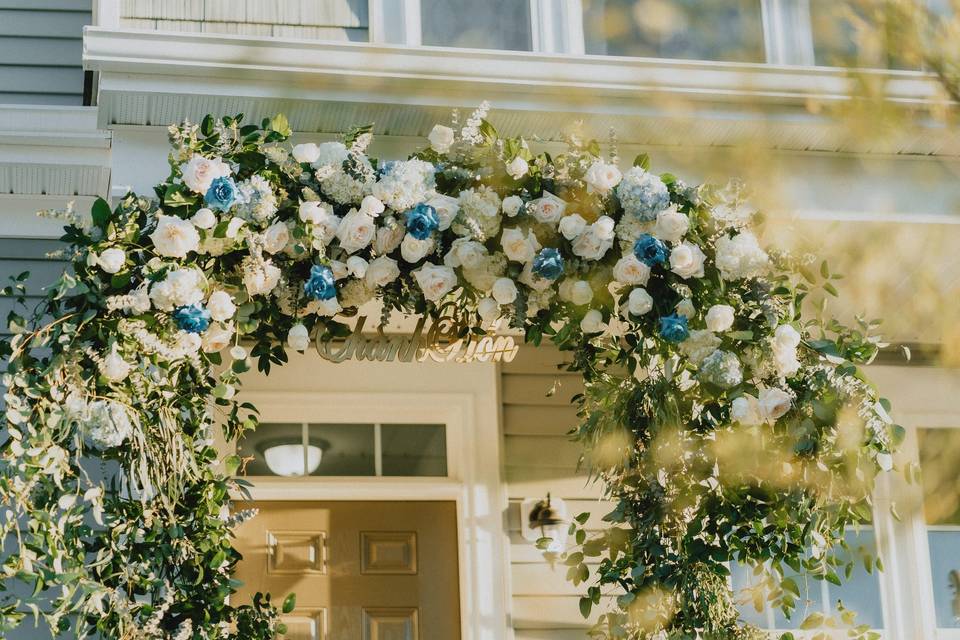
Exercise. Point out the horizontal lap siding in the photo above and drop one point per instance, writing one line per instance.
(19, 255)
(540, 458)
(40, 51)
(302, 19)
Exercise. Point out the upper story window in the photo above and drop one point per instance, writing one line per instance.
(730, 30)
(492, 24)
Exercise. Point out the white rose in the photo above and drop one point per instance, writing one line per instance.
(629, 270)
(112, 260)
(435, 281)
(389, 238)
(113, 367)
(180, 287)
(306, 153)
(339, 269)
(504, 290)
(639, 302)
(356, 231)
(518, 246)
(382, 271)
(580, 292)
(204, 219)
(686, 260)
(234, 226)
(686, 309)
(547, 209)
(276, 237)
(298, 338)
(773, 403)
(174, 237)
(261, 281)
(511, 205)
(786, 336)
(517, 168)
(329, 307)
(372, 206)
(671, 225)
(441, 138)
(413, 250)
(216, 337)
(314, 211)
(357, 266)
(602, 177)
(465, 253)
(785, 343)
(592, 322)
(446, 207)
(719, 317)
(746, 410)
(187, 343)
(572, 226)
(220, 305)
(488, 309)
(199, 173)
(596, 240)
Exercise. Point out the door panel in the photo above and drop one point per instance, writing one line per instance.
(361, 570)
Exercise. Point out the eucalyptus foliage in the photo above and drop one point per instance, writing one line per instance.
(724, 425)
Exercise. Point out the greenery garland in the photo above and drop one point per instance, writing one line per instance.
(723, 425)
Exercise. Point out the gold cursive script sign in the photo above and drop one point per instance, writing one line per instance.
(440, 343)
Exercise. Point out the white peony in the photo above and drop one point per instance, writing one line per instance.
(602, 177)
(592, 322)
(517, 168)
(199, 173)
(216, 337)
(581, 292)
(204, 219)
(356, 231)
(446, 207)
(113, 367)
(629, 270)
(572, 226)
(298, 337)
(686, 260)
(357, 266)
(220, 305)
(382, 271)
(174, 237)
(413, 250)
(180, 287)
(276, 237)
(773, 403)
(741, 256)
(511, 205)
(435, 281)
(306, 153)
(596, 239)
(671, 225)
(639, 302)
(488, 309)
(519, 246)
(719, 317)
(504, 290)
(112, 259)
(441, 138)
(547, 209)
(260, 280)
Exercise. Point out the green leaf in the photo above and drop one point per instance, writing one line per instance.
(100, 212)
(289, 603)
(642, 161)
(586, 604)
(812, 621)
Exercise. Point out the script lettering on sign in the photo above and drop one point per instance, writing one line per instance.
(439, 343)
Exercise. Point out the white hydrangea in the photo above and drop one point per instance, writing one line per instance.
(256, 199)
(741, 256)
(643, 195)
(404, 184)
(487, 271)
(699, 345)
(106, 424)
(478, 215)
(629, 229)
(179, 288)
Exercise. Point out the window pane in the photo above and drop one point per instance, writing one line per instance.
(275, 449)
(414, 449)
(939, 465)
(744, 583)
(348, 449)
(945, 569)
(729, 30)
(861, 591)
(489, 24)
(838, 42)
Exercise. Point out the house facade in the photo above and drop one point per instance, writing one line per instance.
(394, 496)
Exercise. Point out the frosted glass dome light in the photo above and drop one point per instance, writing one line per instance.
(287, 459)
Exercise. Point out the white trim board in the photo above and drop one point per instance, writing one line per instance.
(315, 390)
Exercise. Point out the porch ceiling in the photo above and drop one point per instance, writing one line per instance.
(155, 78)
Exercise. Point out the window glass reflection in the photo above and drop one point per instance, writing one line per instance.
(490, 24)
(856, 33)
(414, 449)
(348, 449)
(939, 465)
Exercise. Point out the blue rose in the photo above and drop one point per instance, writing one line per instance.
(193, 318)
(673, 328)
(649, 250)
(221, 194)
(548, 264)
(422, 220)
(321, 284)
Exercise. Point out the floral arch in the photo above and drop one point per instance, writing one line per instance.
(724, 424)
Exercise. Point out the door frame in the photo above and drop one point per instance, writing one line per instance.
(469, 407)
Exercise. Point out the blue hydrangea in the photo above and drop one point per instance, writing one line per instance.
(650, 251)
(721, 369)
(548, 264)
(321, 285)
(422, 220)
(193, 318)
(673, 328)
(642, 194)
(222, 194)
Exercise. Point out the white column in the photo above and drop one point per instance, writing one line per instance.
(106, 13)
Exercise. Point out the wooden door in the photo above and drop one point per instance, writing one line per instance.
(361, 570)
